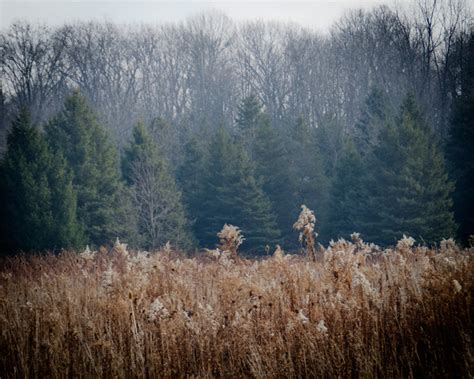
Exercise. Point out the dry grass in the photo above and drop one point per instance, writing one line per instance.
(353, 312)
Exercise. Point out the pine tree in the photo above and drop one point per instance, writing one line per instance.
(461, 148)
(272, 163)
(232, 195)
(408, 191)
(346, 196)
(39, 202)
(76, 134)
(161, 216)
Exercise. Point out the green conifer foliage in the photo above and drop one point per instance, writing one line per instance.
(272, 162)
(310, 181)
(3, 121)
(408, 190)
(461, 148)
(76, 134)
(346, 195)
(249, 117)
(161, 217)
(38, 198)
(191, 176)
(232, 195)
(374, 115)
(248, 112)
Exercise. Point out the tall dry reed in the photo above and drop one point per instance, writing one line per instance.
(357, 311)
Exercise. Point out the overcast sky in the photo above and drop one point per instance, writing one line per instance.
(318, 14)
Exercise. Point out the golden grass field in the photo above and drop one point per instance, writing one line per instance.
(353, 311)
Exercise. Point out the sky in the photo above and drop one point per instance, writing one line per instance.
(316, 14)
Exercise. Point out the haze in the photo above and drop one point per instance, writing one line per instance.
(317, 15)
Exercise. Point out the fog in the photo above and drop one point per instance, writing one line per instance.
(199, 118)
(312, 14)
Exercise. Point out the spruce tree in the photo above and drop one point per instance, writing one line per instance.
(232, 195)
(248, 113)
(461, 147)
(161, 216)
(39, 203)
(249, 117)
(272, 163)
(347, 195)
(374, 116)
(76, 134)
(166, 139)
(3, 122)
(310, 181)
(191, 176)
(408, 190)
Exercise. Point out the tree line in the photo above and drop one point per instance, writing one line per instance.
(194, 73)
(65, 186)
(165, 134)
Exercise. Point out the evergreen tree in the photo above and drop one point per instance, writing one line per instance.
(310, 181)
(166, 139)
(248, 113)
(3, 122)
(39, 203)
(232, 195)
(76, 134)
(161, 216)
(272, 163)
(249, 117)
(191, 176)
(408, 191)
(461, 148)
(347, 195)
(329, 138)
(373, 117)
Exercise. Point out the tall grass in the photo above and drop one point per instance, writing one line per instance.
(354, 311)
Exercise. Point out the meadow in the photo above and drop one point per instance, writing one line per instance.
(348, 310)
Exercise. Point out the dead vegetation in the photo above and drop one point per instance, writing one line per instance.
(353, 311)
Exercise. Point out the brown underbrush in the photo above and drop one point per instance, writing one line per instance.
(352, 311)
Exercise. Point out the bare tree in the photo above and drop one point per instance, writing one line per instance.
(263, 67)
(208, 39)
(103, 63)
(158, 204)
(32, 67)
